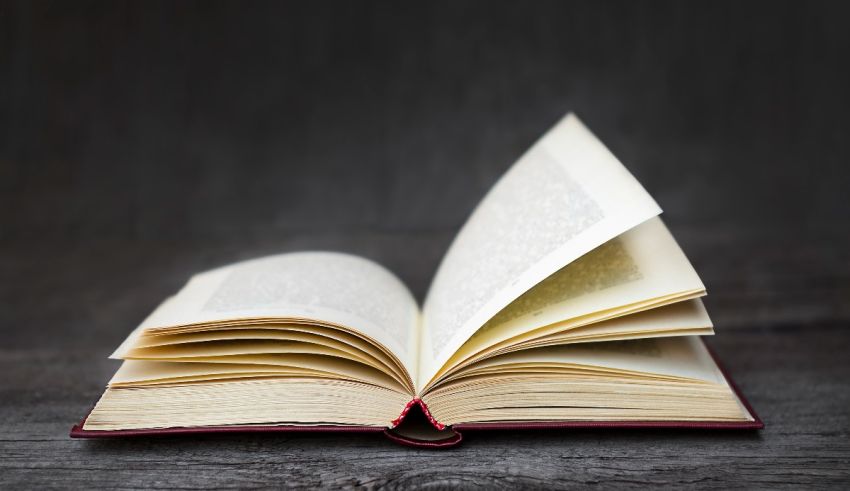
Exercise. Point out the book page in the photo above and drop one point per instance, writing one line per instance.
(566, 196)
(686, 318)
(145, 372)
(680, 357)
(643, 264)
(328, 287)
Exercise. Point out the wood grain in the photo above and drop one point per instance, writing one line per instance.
(143, 142)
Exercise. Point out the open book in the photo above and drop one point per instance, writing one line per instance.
(563, 300)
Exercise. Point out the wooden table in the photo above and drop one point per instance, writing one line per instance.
(145, 142)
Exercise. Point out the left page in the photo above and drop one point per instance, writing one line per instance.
(327, 287)
(566, 196)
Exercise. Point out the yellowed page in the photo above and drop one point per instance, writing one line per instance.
(277, 401)
(687, 317)
(566, 196)
(288, 332)
(139, 370)
(239, 341)
(641, 265)
(328, 287)
(683, 357)
(178, 352)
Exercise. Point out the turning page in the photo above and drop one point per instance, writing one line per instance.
(566, 196)
(641, 269)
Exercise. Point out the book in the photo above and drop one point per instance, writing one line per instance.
(563, 301)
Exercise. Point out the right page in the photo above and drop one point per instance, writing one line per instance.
(566, 196)
(644, 268)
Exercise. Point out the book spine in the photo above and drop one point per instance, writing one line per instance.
(413, 402)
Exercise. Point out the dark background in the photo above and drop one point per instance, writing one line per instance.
(142, 142)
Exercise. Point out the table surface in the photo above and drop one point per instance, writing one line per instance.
(142, 143)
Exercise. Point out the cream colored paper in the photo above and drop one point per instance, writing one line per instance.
(567, 195)
(642, 265)
(687, 318)
(329, 287)
(141, 370)
(681, 357)
(334, 338)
